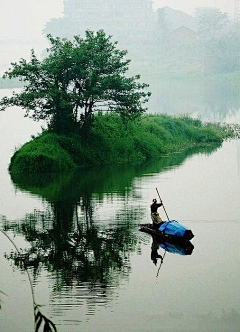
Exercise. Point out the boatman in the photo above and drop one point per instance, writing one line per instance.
(156, 219)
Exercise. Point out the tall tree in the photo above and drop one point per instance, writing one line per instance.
(76, 79)
(212, 23)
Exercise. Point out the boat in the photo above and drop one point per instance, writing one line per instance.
(170, 230)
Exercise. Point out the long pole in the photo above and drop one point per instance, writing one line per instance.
(160, 264)
(162, 204)
(168, 220)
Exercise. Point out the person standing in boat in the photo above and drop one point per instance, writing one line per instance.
(156, 219)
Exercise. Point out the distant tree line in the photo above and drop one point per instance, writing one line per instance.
(214, 47)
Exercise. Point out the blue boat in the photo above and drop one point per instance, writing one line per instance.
(172, 230)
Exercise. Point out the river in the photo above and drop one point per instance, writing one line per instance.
(91, 268)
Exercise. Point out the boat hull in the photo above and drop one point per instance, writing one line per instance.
(171, 230)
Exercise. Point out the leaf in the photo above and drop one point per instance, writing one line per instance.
(40, 318)
(52, 326)
(38, 324)
(46, 327)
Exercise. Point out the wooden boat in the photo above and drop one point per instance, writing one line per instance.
(170, 230)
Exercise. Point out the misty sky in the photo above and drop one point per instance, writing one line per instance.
(22, 21)
(189, 5)
(26, 18)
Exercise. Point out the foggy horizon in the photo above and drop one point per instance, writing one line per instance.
(20, 17)
(22, 23)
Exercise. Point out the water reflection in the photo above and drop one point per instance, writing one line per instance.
(180, 248)
(154, 251)
(41, 321)
(85, 235)
(94, 185)
(1, 301)
(159, 242)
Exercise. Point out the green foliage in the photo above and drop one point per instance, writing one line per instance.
(76, 79)
(43, 154)
(113, 140)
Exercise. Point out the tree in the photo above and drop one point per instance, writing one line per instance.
(212, 23)
(76, 79)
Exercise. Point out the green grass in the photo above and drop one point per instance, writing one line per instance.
(42, 154)
(113, 141)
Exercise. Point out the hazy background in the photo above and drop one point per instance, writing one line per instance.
(21, 24)
(22, 21)
(189, 6)
(26, 18)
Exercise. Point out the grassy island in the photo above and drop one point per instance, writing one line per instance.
(93, 109)
(112, 141)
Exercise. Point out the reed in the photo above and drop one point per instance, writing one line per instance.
(41, 321)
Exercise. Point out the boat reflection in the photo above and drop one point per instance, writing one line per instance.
(180, 248)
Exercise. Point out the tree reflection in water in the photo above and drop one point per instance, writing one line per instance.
(88, 255)
(75, 251)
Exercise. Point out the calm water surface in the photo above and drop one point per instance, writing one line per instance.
(91, 267)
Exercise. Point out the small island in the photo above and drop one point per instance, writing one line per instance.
(113, 141)
(94, 111)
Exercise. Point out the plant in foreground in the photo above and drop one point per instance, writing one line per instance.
(40, 319)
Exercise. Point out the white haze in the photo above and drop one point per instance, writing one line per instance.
(189, 6)
(22, 21)
(21, 25)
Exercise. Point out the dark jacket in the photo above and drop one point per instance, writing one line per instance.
(155, 206)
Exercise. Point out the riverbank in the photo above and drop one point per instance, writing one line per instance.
(113, 141)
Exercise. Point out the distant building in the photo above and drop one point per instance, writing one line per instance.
(150, 37)
(171, 20)
(127, 20)
(184, 34)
